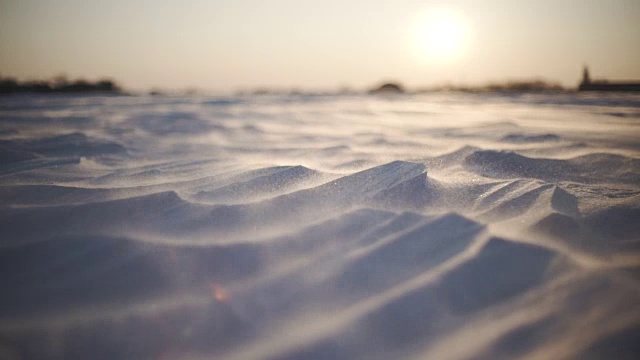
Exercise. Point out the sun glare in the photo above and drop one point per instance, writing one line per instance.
(441, 36)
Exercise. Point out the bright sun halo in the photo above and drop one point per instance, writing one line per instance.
(441, 35)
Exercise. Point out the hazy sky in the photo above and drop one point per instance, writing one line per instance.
(323, 44)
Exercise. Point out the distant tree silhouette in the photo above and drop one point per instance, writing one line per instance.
(524, 86)
(388, 88)
(60, 81)
(536, 85)
(8, 85)
(59, 84)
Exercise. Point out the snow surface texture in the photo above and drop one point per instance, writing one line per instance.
(430, 227)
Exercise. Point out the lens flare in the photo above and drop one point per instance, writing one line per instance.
(219, 293)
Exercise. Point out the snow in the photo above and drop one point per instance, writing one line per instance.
(438, 226)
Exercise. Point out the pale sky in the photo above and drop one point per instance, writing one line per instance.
(325, 44)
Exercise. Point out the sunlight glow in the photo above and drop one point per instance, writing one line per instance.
(441, 36)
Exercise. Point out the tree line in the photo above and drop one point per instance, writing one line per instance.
(58, 84)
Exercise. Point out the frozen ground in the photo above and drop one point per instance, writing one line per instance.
(443, 226)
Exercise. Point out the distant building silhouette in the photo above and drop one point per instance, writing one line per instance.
(586, 79)
(603, 85)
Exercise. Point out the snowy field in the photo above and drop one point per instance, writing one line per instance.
(443, 226)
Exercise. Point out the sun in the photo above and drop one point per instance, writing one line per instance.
(441, 36)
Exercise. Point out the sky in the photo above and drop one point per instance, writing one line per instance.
(229, 45)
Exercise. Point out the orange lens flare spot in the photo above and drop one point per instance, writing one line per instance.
(219, 293)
